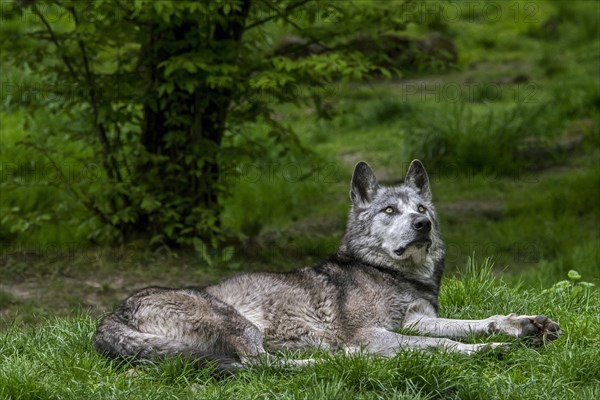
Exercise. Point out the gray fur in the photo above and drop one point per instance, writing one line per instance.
(385, 275)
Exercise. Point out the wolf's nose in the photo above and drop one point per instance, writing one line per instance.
(422, 224)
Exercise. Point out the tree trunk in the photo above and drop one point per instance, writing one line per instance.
(204, 112)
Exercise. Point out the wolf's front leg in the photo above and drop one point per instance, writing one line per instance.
(421, 317)
(386, 343)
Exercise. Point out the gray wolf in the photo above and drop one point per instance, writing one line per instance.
(385, 276)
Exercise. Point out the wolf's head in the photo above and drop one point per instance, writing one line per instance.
(394, 227)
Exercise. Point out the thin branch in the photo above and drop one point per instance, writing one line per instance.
(282, 15)
(88, 203)
(272, 17)
(56, 42)
(120, 145)
(111, 167)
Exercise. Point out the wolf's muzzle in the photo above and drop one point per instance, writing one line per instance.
(418, 242)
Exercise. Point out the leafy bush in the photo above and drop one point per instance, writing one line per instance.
(159, 95)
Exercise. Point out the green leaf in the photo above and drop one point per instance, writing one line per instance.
(189, 66)
(149, 203)
(227, 254)
(202, 251)
(561, 285)
(189, 86)
(574, 275)
(167, 88)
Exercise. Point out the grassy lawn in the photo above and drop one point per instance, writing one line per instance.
(511, 141)
(56, 360)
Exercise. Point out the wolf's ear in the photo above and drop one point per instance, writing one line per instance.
(364, 184)
(417, 178)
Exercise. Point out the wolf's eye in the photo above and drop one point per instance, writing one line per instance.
(421, 209)
(389, 210)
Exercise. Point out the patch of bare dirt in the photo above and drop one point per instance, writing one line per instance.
(18, 291)
(93, 281)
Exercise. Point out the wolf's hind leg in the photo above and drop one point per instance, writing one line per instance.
(120, 341)
(156, 323)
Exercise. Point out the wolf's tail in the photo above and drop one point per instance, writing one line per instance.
(116, 339)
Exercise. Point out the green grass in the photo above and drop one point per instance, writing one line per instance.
(545, 224)
(56, 360)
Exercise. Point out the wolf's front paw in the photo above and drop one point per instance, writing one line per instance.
(540, 328)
